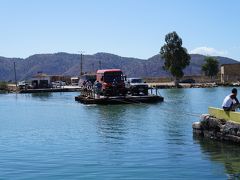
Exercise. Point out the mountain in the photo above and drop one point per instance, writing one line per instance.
(69, 64)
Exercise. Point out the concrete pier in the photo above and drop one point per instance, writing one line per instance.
(63, 89)
(217, 128)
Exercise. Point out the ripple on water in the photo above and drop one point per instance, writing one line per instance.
(52, 137)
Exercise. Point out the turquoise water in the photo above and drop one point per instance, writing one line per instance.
(50, 136)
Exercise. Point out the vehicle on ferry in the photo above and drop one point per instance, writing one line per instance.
(91, 77)
(112, 81)
(136, 86)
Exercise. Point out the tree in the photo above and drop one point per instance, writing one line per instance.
(176, 57)
(210, 68)
(3, 86)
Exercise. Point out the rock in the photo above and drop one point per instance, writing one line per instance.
(197, 129)
(218, 129)
(196, 125)
(204, 116)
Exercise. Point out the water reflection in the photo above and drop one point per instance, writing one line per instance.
(175, 116)
(222, 152)
(110, 142)
(114, 121)
(42, 96)
(110, 122)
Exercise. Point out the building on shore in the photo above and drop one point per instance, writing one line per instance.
(41, 80)
(74, 81)
(230, 73)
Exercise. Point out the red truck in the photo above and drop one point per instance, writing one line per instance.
(112, 81)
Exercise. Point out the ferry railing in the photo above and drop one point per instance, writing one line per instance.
(90, 91)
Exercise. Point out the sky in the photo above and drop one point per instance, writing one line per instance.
(129, 28)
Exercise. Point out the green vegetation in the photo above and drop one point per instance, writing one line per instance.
(176, 57)
(210, 68)
(3, 86)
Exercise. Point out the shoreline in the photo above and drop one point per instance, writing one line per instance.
(167, 85)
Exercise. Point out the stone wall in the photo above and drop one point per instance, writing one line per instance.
(198, 79)
(230, 73)
(218, 129)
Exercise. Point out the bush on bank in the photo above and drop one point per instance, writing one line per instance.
(3, 86)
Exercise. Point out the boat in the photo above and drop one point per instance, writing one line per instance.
(110, 89)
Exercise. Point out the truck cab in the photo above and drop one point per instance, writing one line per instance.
(112, 81)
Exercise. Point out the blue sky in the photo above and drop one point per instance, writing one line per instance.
(131, 28)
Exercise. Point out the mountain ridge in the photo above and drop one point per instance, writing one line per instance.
(63, 63)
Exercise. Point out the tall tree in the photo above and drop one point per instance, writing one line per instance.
(176, 57)
(210, 67)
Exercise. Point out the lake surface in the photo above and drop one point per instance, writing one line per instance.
(50, 136)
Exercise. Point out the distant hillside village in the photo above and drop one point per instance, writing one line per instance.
(229, 73)
(46, 70)
(42, 80)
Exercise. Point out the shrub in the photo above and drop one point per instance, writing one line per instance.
(3, 86)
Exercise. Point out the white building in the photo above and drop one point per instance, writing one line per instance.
(41, 81)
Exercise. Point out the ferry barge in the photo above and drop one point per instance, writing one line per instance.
(119, 99)
(110, 88)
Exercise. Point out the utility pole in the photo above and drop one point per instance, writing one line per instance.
(81, 62)
(100, 65)
(92, 67)
(15, 74)
(81, 72)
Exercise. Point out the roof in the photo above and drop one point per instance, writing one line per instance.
(74, 77)
(134, 78)
(109, 70)
(230, 64)
(40, 75)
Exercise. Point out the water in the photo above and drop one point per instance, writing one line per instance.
(50, 136)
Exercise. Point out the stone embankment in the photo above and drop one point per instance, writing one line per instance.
(182, 85)
(218, 129)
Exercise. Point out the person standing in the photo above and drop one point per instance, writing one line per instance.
(114, 87)
(230, 102)
(98, 88)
